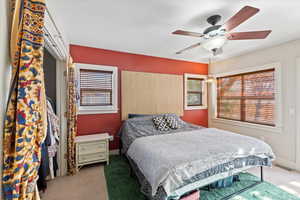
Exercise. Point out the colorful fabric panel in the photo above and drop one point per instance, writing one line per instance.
(25, 123)
(72, 116)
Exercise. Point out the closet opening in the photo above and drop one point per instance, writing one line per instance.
(49, 168)
(49, 66)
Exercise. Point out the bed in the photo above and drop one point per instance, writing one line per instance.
(169, 164)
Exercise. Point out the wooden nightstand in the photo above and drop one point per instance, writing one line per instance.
(92, 149)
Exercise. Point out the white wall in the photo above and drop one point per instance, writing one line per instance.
(4, 69)
(283, 141)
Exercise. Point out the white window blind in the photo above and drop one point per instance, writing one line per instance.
(95, 87)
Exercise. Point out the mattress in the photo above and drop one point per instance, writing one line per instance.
(183, 161)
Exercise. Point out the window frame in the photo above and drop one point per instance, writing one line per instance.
(277, 96)
(113, 108)
(243, 98)
(204, 91)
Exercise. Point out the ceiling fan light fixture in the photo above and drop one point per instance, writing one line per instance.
(214, 37)
(214, 43)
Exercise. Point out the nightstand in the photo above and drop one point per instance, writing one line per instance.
(92, 149)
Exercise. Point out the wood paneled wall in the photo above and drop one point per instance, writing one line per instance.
(151, 93)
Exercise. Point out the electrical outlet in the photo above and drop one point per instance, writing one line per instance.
(292, 111)
(262, 138)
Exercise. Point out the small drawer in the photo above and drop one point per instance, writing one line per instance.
(92, 147)
(92, 158)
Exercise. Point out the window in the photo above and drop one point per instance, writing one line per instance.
(248, 97)
(98, 89)
(95, 87)
(195, 91)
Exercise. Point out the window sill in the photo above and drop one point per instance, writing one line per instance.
(90, 112)
(277, 129)
(195, 107)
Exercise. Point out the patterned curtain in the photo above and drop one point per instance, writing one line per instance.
(72, 116)
(25, 122)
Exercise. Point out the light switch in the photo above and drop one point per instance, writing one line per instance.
(292, 111)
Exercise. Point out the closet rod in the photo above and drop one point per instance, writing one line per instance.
(53, 43)
(59, 33)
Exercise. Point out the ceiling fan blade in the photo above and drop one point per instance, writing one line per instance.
(241, 16)
(187, 33)
(249, 35)
(218, 51)
(188, 48)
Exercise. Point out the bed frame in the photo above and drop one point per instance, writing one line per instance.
(132, 173)
(248, 187)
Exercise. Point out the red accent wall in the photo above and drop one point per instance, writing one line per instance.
(97, 123)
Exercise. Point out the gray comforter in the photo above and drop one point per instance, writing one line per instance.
(169, 160)
(143, 126)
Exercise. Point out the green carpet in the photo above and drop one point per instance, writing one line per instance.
(121, 186)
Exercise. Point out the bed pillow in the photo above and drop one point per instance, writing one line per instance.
(172, 121)
(160, 123)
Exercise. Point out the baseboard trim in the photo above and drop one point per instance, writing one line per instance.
(286, 164)
(114, 152)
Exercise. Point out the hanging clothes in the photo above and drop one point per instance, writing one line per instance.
(25, 122)
(53, 131)
(44, 170)
(49, 165)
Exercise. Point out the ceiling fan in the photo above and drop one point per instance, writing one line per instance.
(215, 36)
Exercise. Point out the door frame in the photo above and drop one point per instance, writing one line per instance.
(61, 91)
(58, 46)
(297, 113)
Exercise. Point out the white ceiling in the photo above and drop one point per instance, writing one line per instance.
(145, 26)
